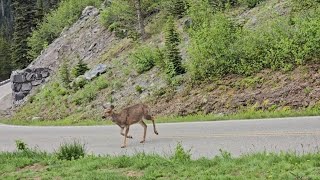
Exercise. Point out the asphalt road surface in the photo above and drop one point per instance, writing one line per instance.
(299, 135)
(5, 90)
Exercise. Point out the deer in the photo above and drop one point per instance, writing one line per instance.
(129, 116)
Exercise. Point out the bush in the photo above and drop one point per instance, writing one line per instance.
(64, 75)
(251, 3)
(305, 4)
(71, 151)
(21, 146)
(144, 58)
(181, 155)
(120, 16)
(217, 47)
(219, 5)
(209, 48)
(89, 92)
(65, 15)
(176, 8)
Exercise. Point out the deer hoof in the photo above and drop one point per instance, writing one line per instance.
(130, 137)
(142, 141)
(123, 146)
(156, 133)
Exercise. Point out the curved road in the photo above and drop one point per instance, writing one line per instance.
(5, 90)
(5, 97)
(203, 138)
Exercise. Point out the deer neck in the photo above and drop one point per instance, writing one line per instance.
(116, 119)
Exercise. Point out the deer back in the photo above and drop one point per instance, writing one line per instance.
(136, 113)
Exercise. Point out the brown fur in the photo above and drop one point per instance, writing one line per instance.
(128, 116)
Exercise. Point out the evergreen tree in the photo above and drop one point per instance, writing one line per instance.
(177, 8)
(40, 11)
(24, 23)
(79, 69)
(5, 66)
(172, 54)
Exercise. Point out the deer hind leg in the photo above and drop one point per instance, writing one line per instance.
(125, 137)
(121, 132)
(148, 117)
(144, 131)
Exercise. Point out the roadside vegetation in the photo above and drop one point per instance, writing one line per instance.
(26, 163)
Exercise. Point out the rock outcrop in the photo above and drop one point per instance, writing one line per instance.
(87, 40)
(23, 81)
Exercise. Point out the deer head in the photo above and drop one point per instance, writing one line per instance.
(108, 110)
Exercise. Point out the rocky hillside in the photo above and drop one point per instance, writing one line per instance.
(88, 40)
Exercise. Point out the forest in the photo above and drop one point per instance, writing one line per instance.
(18, 18)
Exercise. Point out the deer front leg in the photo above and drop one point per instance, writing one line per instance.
(125, 137)
(121, 132)
(154, 127)
(144, 132)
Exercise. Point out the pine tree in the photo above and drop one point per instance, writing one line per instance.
(79, 69)
(5, 61)
(177, 8)
(40, 11)
(24, 23)
(172, 54)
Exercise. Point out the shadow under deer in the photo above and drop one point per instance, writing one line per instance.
(128, 116)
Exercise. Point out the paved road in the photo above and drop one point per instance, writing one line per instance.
(5, 90)
(5, 97)
(204, 138)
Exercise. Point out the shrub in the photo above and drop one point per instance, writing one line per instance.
(176, 8)
(251, 3)
(305, 4)
(89, 92)
(21, 146)
(209, 48)
(71, 151)
(144, 58)
(219, 5)
(65, 15)
(64, 75)
(181, 155)
(139, 89)
(79, 83)
(120, 16)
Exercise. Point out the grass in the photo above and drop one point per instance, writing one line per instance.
(250, 113)
(39, 165)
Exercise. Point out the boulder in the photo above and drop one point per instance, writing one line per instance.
(16, 87)
(26, 87)
(36, 82)
(30, 77)
(18, 96)
(18, 78)
(38, 76)
(96, 71)
(45, 73)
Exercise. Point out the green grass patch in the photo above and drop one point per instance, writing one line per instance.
(26, 165)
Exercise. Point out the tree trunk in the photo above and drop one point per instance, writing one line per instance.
(140, 19)
(2, 8)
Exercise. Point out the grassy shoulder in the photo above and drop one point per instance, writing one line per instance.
(250, 113)
(30, 164)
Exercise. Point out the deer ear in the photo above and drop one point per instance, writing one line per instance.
(112, 106)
